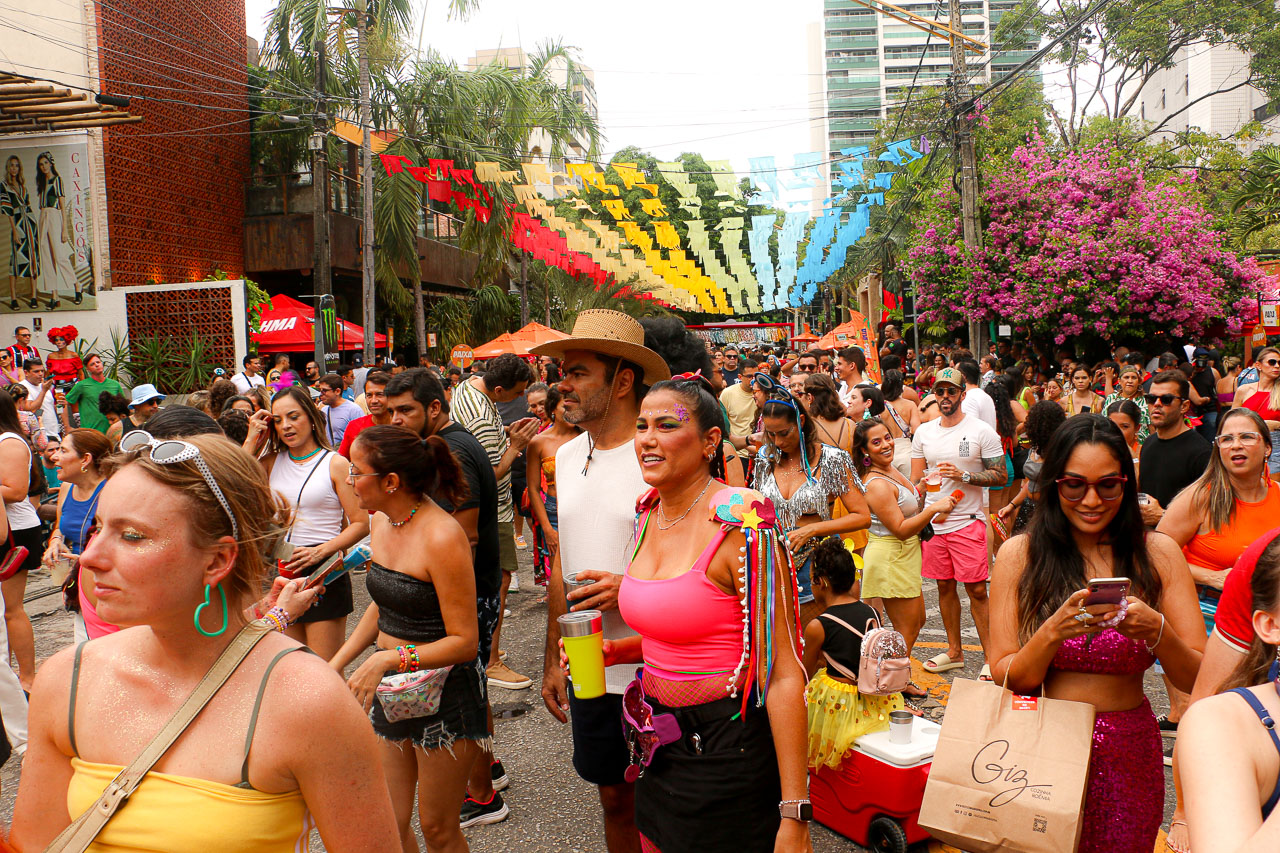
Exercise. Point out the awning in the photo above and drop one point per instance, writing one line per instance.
(27, 105)
(289, 326)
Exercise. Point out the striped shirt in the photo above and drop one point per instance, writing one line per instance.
(476, 413)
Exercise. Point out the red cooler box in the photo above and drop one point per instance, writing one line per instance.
(874, 798)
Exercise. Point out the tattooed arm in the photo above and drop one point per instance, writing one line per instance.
(993, 473)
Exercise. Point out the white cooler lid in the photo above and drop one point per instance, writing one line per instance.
(924, 742)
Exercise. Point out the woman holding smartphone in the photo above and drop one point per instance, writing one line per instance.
(1046, 635)
(423, 617)
(176, 561)
(327, 518)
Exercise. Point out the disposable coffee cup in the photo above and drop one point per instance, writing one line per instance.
(583, 636)
(900, 727)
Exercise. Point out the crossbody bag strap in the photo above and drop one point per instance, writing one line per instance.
(832, 662)
(297, 504)
(77, 837)
(906, 430)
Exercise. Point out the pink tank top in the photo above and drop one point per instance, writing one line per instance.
(93, 625)
(689, 628)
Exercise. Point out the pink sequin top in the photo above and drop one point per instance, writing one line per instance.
(1106, 653)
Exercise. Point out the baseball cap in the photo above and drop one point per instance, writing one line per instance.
(949, 375)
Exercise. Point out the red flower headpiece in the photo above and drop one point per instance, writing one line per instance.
(68, 333)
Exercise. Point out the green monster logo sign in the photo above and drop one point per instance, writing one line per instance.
(329, 323)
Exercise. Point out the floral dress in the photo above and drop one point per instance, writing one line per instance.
(1144, 428)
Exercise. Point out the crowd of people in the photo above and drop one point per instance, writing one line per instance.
(739, 517)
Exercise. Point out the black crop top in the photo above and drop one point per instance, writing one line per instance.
(408, 608)
(838, 642)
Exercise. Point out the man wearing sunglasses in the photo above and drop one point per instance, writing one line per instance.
(740, 403)
(966, 453)
(1174, 455)
(732, 365)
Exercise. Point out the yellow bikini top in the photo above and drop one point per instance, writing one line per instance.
(169, 813)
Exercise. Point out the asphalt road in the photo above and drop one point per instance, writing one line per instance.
(552, 810)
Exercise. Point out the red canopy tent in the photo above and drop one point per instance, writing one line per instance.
(289, 326)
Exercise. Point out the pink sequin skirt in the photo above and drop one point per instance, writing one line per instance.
(1124, 801)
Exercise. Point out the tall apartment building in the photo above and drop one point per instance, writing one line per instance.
(579, 78)
(870, 61)
(1197, 72)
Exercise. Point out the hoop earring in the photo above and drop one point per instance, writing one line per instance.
(206, 603)
(866, 460)
(84, 469)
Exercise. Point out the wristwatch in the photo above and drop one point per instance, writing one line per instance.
(796, 810)
(966, 478)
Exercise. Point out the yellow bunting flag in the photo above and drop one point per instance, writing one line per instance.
(653, 206)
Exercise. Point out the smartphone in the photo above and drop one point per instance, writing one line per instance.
(1107, 591)
(325, 572)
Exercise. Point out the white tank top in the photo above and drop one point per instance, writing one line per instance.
(22, 515)
(309, 490)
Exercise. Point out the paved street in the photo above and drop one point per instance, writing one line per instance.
(552, 810)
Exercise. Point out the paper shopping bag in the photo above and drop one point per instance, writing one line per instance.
(1010, 771)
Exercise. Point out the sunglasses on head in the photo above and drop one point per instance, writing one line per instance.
(1162, 399)
(1074, 489)
(171, 452)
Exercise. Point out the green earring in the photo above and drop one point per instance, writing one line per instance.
(200, 609)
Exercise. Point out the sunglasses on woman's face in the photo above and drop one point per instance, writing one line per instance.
(1074, 489)
(1272, 362)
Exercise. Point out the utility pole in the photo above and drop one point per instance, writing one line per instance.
(964, 149)
(321, 271)
(367, 291)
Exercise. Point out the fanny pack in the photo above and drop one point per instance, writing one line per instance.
(646, 730)
(407, 695)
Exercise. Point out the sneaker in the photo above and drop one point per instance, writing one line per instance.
(521, 543)
(1168, 728)
(515, 583)
(501, 675)
(476, 813)
(499, 774)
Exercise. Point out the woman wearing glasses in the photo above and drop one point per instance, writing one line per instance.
(181, 526)
(1263, 396)
(9, 375)
(1231, 505)
(804, 478)
(1045, 636)
(327, 517)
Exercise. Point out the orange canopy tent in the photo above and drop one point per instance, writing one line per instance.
(520, 341)
(805, 337)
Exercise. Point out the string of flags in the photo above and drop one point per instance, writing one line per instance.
(706, 269)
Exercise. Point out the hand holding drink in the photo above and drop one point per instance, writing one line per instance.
(582, 634)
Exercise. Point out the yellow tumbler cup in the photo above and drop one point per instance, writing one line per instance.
(583, 637)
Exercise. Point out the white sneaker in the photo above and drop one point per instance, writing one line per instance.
(515, 583)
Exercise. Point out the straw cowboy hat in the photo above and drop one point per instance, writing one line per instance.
(606, 332)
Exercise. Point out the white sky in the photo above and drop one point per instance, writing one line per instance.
(726, 79)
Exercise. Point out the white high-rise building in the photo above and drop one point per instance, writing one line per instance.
(871, 59)
(1182, 97)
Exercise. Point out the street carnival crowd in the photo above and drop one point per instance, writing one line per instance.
(739, 516)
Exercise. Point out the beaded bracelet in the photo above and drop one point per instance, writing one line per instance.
(278, 617)
(414, 663)
(404, 659)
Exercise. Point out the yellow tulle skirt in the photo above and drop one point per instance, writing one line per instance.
(839, 715)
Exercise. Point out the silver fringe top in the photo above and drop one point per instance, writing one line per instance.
(833, 471)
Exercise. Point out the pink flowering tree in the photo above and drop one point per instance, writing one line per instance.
(1078, 243)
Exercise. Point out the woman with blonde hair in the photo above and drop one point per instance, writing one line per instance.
(178, 557)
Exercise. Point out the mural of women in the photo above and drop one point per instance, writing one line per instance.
(15, 205)
(56, 248)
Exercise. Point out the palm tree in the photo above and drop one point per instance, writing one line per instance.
(1256, 203)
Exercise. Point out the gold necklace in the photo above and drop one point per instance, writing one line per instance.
(662, 516)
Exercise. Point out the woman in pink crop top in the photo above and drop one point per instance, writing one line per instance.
(723, 784)
(1042, 636)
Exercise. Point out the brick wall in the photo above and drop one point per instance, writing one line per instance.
(175, 182)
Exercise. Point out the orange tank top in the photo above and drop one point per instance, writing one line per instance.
(1218, 549)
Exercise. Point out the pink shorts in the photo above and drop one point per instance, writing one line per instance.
(960, 555)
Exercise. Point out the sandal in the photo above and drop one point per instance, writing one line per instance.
(942, 662)
(984, 674)
(915, 690)
(915, 708)
(1182, 844)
